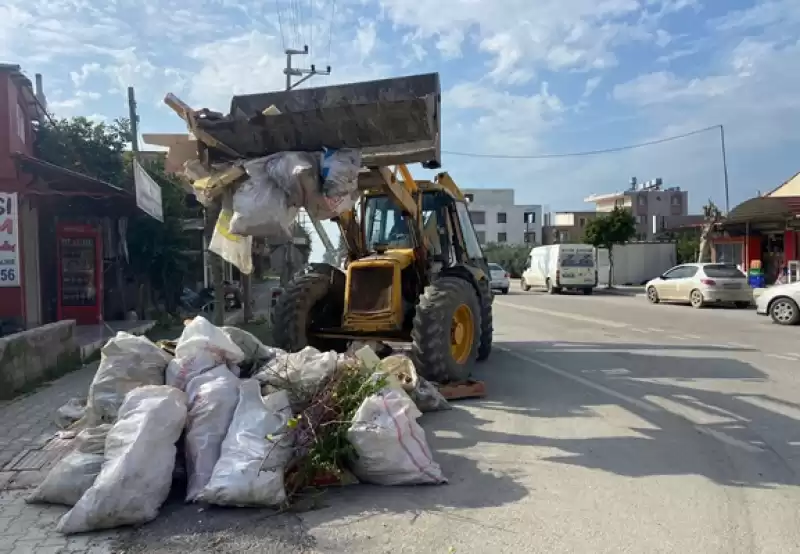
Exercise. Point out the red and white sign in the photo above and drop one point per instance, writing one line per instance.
(9, 240)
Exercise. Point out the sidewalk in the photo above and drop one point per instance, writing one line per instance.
(28, 450)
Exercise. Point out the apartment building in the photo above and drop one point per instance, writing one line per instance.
(498, 219)
(653, 205)
(565, 227)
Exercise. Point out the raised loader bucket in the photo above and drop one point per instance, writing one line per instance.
(391, 121)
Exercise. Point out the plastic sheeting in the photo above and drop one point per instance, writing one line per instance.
(301, 373)
(139, 459)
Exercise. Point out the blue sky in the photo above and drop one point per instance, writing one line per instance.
(518, 77)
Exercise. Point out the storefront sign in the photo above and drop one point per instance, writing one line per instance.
(9, 240)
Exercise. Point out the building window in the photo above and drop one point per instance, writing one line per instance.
(642, 219)
(582, 222)
(478, 218)
(563, 236)
(502, 237)
(676, 200)
(470, 198)
(529, 217)
(642, 200)
(530, 237)
(481, 237)
(21, 126)
(501, 217)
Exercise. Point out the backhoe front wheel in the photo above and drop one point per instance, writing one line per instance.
(447, 330)
(312, 301)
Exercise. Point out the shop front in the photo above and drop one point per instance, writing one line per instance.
(762, 229)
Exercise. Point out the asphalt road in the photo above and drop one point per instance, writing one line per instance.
(611, 426)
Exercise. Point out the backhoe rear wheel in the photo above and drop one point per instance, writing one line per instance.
(447, 330)
(311, 301)
(487, 322)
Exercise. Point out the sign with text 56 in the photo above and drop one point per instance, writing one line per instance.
(9, 240)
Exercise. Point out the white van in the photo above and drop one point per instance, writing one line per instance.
(558, 267)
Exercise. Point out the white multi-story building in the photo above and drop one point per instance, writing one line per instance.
(497, 219)
(654, 206)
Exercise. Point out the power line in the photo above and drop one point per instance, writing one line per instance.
(584, 153)
(330, 28)
(280, 23)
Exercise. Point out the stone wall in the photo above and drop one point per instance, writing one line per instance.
(34, 356)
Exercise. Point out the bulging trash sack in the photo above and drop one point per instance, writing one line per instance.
(76, 472)
(212, 399)
(390, 446)
(201, 347)
(340, 170)
(250, 469)
(301, 373)
(127, 361)
(234, 249)
(139, 459)
(401, 373)
(74, 410)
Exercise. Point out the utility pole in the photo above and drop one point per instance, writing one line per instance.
(725, 168)
(304, 74)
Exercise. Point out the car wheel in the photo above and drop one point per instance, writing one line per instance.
(587, 292)
(504, 291)
(525, 286)
(652, 295)
(696, 299)
(550, 288)
(784, 311)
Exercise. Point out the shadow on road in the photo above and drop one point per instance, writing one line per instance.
(732, 438)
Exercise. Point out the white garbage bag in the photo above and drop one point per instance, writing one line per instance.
(127, 362)
(261, 209)
(212, 399)
(139, 459)
(401, 373)
(390, 445)
(76, 472)
(301, 373)
(201, 347)
(255, 450)
(428, 398)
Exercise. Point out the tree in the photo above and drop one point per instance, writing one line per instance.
(608, 230)
(712, 216)
(511, 257)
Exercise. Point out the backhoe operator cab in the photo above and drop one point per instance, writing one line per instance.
(416, 274)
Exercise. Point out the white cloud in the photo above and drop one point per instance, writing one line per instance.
(590, 86)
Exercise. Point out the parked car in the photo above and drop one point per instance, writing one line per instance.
(780, 303)
(499, 278)
(556, 267)
(700, 285)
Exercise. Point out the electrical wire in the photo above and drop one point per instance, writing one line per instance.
(280, 23)
(330, 29)
(583, 153)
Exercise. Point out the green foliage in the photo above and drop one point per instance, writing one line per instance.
(512, 258)
(609, 230)
(606, 231)
(687, 245)
(94, 149)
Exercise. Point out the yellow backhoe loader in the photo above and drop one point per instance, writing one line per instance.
(415, 273)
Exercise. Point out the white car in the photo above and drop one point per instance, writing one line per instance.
(701, 284)
(780, 303)
(499, 278)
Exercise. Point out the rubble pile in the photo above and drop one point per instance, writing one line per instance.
(252, 425)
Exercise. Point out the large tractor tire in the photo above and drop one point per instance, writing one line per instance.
(311, 301)
(447, 330)
(487, 323)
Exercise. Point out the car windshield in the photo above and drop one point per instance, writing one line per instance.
(495, 267)
(723, 271)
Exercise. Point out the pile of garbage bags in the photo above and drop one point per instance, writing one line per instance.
(249, 437)
(261, 197)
